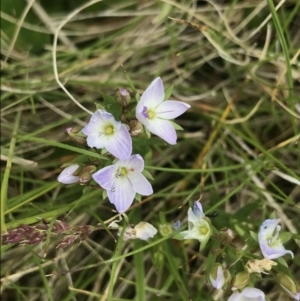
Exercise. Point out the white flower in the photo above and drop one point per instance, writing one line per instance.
(123, 180)
(67, 177)
(248, 294)
(154, 113)
(144, 231)
(103, 131)
(269, 242)
(198, 226)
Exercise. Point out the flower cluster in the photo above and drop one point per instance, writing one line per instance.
(123, 179)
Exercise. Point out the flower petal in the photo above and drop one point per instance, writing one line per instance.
(163, 129)
(198, 211)
(235, 297)
(96, 140)
(120, 144)
(274, 251)
(96, 122)
(139, 183)
(104, 177)
(135, 162)
(144, 231)
(122, 195)
(192, 218)
(252, 292)
(171, 109)
(154, 94)
(67, 177)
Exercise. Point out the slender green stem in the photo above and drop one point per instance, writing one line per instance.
(4, 186)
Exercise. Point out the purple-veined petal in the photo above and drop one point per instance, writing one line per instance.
(120, 144)
(135, 162)
(96, 140)
(104, 177)
(121, 195)
(171, 109)
(253, 293)
(139, 183)
(163, 129)
(154, 94)
(198, 211)
(235, 297)
(95, 123)
(66, 176)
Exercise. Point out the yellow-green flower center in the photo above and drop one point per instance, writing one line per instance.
(203, 230)
(123, 171)
(109, 130)
(151, 114)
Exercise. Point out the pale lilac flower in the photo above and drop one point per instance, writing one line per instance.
(248, 294)
(269, 241)
(217, 276)
(103, 131)
(198, 225)
(67, 177)
(154, 113)
(123, 180)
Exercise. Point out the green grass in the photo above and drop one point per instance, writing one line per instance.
(236, 63)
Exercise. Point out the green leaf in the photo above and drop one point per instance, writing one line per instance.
(282, 261)
(104, 194)
(99, 106)
(176, 126)
(112, 107)
(104, 151)
(285, 236)
(168, 92)
(137, 97)
(138, 197)
(148, 134)
(254, 235)
(147, 174)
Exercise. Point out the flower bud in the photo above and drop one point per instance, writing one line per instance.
(227, 235)
(241, 280)
(158, 260)
(86, 173)
(122, 97)
(69, 175)
(165, 229)
(217, 276)
(75, 135)
(136, 127)
(288, 286)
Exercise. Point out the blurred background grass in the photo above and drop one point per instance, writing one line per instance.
(235, 62)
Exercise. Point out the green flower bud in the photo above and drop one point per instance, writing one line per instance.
(86, 173)
(288, 286)
(76, 135)
(158, 260)
(165, 229)
(122, 97)
(241, 280)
